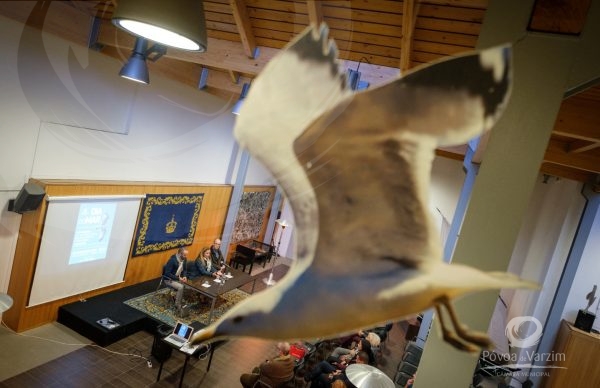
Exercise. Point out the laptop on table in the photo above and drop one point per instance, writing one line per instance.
(180, 335)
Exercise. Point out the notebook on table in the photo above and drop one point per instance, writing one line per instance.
(180, 335)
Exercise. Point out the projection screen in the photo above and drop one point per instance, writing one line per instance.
(85, 245)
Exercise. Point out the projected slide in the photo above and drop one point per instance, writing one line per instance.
(85, 245)
(92, 232)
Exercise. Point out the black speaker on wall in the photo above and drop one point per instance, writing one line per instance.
(585, 320)
(28, 199)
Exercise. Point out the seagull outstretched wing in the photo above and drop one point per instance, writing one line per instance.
(356, 168)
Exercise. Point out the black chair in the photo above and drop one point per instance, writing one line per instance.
(243, 256)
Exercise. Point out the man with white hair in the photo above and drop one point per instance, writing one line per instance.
(274, 371)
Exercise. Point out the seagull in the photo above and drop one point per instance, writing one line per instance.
(355, 167)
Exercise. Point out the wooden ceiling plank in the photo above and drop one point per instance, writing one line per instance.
(445, 37)
(385, 6)
(366, 27)
(242, 21)
(455, 26)
(266, 16)
(284, 36)
(219, 17)
(278, 5)
(355, 36)
(452, 13)
(226, 27)
(438, 48)
(210, 6)
(409, 17)
(222, 35)
(478, 4)
(315, 12)
(359, 15)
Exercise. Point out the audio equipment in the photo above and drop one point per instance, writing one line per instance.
(585, 320)
(28, 199)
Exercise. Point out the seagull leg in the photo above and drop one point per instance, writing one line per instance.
(481, 340)
(450, 336)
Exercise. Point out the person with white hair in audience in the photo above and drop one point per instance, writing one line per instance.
(273, 372)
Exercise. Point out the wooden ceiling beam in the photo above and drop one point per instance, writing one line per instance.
(557, 153)
(188, 73)
(240, 14)
(409, 17)
(582, 146)
(567, 172)
(578, 118)
(315, 12)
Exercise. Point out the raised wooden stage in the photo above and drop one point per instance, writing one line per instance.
(82, 316)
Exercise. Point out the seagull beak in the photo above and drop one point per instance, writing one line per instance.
(202, 335)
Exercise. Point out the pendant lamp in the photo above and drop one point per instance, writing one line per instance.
(175, 23)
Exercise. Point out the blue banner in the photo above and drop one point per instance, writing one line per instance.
(167, 221)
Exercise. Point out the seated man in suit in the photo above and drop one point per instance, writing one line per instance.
(176, 271)
(203, 266)
(274, 372)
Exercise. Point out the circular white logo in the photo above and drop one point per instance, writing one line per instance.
(518, 328)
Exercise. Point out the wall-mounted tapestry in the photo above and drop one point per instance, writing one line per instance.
(167, 221)
(251, 215)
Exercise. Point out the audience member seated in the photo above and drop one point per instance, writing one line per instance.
(323, 374)
(350, 341)
(203, 266)
(176, 271)
(411, 381)
(274, 372)
(340, 354)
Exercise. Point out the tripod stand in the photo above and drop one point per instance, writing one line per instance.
(282, 224)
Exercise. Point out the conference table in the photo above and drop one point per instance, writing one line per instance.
(210, 287)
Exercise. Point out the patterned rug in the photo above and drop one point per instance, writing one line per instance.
(160, 305)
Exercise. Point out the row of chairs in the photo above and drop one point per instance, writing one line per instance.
(407, 367)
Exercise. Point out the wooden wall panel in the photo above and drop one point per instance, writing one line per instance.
(139, 268)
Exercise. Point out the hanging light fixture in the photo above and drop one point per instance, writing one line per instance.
(175, 23)
(238, 105)
(136, 68)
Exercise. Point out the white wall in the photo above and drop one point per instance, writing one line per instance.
(543, 244)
